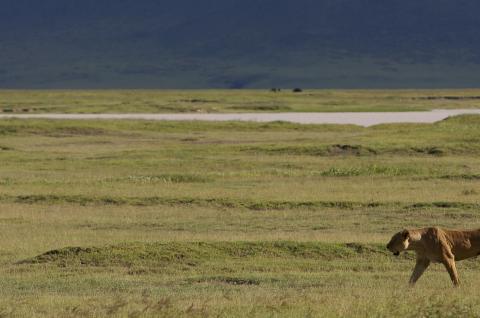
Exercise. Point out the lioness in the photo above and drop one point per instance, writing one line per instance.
(433, 244)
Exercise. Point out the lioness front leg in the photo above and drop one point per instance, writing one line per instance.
(451, 269)
(420, 267)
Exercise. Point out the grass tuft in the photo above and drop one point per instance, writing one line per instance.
(461, 176)
(165, 178)
(324, 150)
(373, 170)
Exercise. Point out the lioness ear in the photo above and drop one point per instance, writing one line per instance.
(405, 234)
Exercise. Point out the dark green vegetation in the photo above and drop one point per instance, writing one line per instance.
(239, 44)
(232, 101)
(152, 219)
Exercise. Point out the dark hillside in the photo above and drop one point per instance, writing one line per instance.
(239, 43)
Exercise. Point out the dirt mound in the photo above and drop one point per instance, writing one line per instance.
(195, 253)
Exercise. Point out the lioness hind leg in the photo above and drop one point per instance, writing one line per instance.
(452, 270)
(420, 267)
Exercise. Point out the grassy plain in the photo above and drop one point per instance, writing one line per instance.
(151, 219)
(233, 101)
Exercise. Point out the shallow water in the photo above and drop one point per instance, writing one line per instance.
(362, 119)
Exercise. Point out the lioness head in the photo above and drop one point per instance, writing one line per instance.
(399, 242)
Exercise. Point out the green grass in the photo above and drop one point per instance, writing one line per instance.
(232, 101)
(196, 253)
(152, 219)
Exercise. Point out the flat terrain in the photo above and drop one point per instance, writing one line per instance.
(233, 101)
(191, 219)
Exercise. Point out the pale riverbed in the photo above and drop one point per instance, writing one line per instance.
(361, 119)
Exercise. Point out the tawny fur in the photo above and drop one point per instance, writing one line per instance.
(433, 244)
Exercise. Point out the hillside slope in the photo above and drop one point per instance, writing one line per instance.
(239, 43)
